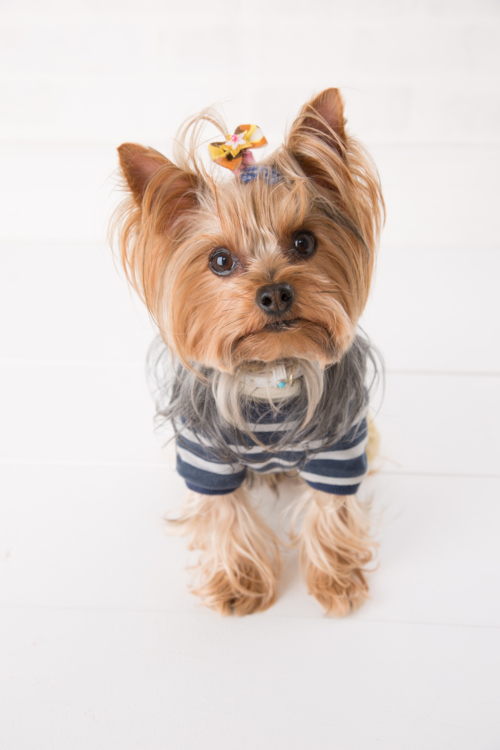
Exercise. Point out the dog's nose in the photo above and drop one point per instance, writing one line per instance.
(275, 299)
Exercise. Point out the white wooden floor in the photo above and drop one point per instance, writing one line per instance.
(101, 644)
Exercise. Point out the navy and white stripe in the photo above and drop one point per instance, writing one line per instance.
(335, 468)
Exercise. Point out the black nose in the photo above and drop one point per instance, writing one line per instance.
(275, 299)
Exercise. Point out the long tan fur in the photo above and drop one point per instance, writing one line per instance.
(335, 548)
(240, 559)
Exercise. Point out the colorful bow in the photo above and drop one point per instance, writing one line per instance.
(230, 154)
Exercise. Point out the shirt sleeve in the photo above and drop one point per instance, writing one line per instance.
(340, 468)
(198, 465)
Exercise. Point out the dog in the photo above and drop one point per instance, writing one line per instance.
(256, 284)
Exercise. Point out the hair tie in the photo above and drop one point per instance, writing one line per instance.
(235, 154)
(230, 153)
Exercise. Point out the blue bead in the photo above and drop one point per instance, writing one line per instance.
(281, 383)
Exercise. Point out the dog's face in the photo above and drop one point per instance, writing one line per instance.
(239, 272)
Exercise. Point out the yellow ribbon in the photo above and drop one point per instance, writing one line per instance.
(229, 154)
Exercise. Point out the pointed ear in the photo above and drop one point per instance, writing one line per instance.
(164, 198)
(145, 167)
(138, 166)
(317, 139)
(322, 118)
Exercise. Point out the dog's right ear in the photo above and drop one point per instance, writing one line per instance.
(163, 196)
(148, 174)
(138, 166)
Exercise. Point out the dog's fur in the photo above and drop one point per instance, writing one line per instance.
(174, 218)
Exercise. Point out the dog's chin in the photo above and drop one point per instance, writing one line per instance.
(287, 339)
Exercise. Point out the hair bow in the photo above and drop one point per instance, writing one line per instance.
(231, 153)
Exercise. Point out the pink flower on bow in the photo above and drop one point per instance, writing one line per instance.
(235, 140)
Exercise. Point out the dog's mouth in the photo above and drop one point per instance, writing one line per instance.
(282, 325)
(297, 337)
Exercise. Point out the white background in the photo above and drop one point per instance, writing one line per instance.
(101, 644)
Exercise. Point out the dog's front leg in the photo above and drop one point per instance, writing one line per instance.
(240, 558)
(335, 546)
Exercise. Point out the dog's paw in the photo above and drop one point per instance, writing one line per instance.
(337, 595)
(242, 592)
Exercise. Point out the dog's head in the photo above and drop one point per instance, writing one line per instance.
(266, 270)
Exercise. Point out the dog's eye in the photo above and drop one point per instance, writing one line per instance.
(221, 262)
(304, 244)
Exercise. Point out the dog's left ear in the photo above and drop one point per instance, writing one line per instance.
(318, 134)
(323, 118)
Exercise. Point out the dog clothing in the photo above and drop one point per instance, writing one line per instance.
(337, 468)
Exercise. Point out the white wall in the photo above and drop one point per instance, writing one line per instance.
(419, 78)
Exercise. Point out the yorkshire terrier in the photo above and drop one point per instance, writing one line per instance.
(256, 284)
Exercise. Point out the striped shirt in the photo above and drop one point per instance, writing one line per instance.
(337, 468)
